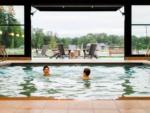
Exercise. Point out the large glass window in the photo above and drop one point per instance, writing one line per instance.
(12, 29)
(77, 31)
(140, 29)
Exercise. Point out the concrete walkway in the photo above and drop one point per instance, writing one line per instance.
(57, 61)
(74, 106)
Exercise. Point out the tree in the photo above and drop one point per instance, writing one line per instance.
(53, 41)
(3, 16)
(38, 37)
(11, 36)
(2, 21)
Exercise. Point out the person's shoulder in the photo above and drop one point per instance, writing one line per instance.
(47, 75)
(85, 78)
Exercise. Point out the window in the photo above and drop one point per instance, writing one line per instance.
(77, 31)
(12, 29)
(140, 29)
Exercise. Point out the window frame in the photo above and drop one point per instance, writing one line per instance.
(137, 24)
(128, 27)
(27, 25)
(11, 25)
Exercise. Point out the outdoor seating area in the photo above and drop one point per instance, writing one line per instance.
(72, 52)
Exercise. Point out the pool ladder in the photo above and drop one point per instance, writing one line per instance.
(3, 53)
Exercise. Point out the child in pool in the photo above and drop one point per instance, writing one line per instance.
(46, 71)
(86, 74)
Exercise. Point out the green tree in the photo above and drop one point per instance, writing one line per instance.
(3, 21)
(9, 34)
(53, 41)
(38, 37)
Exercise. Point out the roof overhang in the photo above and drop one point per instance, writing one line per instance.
(77, 7)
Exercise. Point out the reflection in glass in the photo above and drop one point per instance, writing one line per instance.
(87, 83)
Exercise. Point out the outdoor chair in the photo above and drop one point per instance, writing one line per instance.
(90, 53)
(60, 53)
(43, 51)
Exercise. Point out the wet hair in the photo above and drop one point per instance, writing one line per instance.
(46, 66)
(87, 71)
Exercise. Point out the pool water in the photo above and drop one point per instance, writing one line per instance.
(107, 82)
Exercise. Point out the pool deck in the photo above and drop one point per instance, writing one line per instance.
(76, 61)
(75, 106)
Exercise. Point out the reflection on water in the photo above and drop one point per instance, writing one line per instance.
(127, 87)
(87, 83)
(52, 91)
(27, 87)
(2, 95)
(27, 68)
(128, 70)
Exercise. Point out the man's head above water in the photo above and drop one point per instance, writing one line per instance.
(46, 70)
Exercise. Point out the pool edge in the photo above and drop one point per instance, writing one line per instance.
(49, 98)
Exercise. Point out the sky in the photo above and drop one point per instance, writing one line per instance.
(74, 24)
(19, 13)
(141, 14)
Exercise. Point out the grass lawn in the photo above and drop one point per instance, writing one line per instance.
(16, 51)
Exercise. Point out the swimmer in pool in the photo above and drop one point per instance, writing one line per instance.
(86, 74)
(46, 71)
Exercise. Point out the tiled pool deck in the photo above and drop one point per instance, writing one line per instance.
(76, 61)
(74, 106)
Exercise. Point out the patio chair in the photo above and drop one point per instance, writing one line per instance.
(43, 51)
(91, 51)
(60, 53)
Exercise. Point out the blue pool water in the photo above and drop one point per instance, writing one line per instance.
(107, 82)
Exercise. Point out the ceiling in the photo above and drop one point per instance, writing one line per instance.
(77, 7)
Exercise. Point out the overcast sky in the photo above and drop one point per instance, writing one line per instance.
(19, 13)
(72, 24)
(141, 15)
